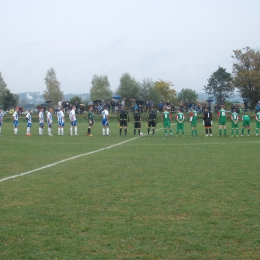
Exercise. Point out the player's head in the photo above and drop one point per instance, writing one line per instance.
(179, 110)
(90, 107)
(50, 109)
(105, 107)
(235, 110)
(222, 106)
(29, 111)
(62, 108)
(206, 109)
(17, 109)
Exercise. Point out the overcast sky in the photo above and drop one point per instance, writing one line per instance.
(180, 41)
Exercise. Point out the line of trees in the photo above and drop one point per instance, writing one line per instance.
(221, 84)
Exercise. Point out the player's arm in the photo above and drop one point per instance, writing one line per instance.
(191, 117)
(183, 118)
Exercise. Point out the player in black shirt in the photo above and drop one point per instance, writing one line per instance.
(137, 121)
(207, 122)
(151, 121)
(123, 118)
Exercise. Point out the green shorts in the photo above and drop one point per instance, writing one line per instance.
(166, 124)
(180, 126)
(193, 124)
(257, 124)
(246, 123)
(233, 125)
(222, 122)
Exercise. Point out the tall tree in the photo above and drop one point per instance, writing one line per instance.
(10, 99)
(100, 88)
(164, 88)
(246, 71)
(3, 89)
(220, 85)
(187, 93)
(128, 88)
(53, 91)
(145, 89)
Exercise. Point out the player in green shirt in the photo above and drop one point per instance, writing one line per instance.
(257, 118)
(193, 122)
(166, 115)
(234, 122)
(180, 122)
(222, 119)
(246, 124)
(90, 120)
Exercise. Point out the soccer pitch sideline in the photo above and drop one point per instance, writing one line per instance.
(128, 198)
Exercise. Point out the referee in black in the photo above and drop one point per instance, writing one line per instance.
(123, 118)
(207, 122)
(151, 121)
(137, 121)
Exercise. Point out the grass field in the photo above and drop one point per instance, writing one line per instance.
(129, 198)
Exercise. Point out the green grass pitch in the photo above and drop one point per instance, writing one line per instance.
(142, 198)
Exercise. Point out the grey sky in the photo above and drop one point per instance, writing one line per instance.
(179, 41)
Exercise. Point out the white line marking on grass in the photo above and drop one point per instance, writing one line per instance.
(68, 159)
(65, 160)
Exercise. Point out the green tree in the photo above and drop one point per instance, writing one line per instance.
(246, 71)
(128, 88)
(220, 85)
(3, 89)
(100, 88)
(74, 99)
(10, 99)
(145, 89)
(187, 93)
(164, 88)
(53, 91)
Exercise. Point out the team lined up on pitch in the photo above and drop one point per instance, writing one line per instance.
(151, 122)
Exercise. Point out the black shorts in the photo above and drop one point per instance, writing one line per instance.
(207, 124)
(137, 125)
(123, 123)
(151, 123)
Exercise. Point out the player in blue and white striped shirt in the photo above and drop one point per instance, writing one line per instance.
(29, 123)
(73, 121)
(61, 122)
(49, 121)
(41, 121)
(15, 118)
